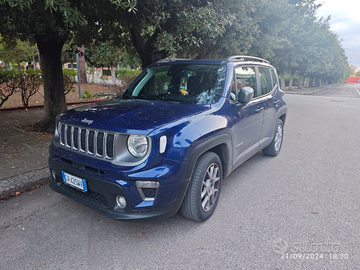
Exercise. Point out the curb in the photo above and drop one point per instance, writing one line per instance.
(42, 106)
(300, 93)
(310, 91)
(23, 181)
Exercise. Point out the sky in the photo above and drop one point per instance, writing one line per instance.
(345, 21)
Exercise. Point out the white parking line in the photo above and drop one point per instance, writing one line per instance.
(357, 90)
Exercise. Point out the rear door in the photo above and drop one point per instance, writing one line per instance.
(270, 102)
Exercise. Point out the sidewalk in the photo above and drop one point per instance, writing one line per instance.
(23, 155)
(308, 91)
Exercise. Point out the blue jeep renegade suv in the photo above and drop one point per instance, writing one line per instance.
(168, 141)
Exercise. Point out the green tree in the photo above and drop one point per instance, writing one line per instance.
(296, 41)
(50, 24)
(353, 69)
(9, 82)
(29, 84)
(284, 31)
(105, 54)
(187, 28)
(68, 53)
(130, 59)
(16, 51)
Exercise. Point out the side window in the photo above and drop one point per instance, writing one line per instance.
(274, 79)
(265, 80)
(245, 76)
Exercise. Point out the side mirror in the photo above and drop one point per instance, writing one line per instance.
(246, 94)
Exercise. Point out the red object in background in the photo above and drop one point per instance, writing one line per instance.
(353, 79)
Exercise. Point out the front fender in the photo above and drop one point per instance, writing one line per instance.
(220, 144)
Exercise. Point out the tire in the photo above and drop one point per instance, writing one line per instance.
(273, 149)
(203, 192)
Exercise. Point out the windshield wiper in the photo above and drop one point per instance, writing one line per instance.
(168, 100)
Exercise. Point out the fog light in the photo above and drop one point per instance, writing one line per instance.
(121, 202)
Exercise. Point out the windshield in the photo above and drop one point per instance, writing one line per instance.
(181, 83)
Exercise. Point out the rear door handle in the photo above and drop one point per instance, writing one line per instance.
(276, 103)
(259, 110)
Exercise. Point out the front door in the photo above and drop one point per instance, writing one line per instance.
(247, 120)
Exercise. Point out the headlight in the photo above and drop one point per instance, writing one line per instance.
(137, 145)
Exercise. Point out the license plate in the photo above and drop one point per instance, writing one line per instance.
(74, 181)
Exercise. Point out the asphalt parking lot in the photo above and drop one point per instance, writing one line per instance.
(296, 211)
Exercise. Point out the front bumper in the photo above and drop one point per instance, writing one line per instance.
(102, 193)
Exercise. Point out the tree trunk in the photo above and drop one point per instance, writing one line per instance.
(82, 66)
(282, 79)
(311, 82)
(147, 51)
(52, 75)
(300, 82)
(291, 80)
(317, 81)
(113, 78)
(93, 74)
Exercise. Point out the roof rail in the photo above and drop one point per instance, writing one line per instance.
(165, 60)
(243, 57)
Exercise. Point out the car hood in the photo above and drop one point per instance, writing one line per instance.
(130, 115)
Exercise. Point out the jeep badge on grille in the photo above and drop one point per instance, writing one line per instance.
(87, 121)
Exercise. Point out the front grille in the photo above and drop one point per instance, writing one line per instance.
(88, 141)
(100, 145)
(79, 165)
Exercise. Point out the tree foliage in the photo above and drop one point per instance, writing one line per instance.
(26, 81)
(9, 82)
(353, 69)
(16, 51)
(286, 32)
(50, 23)
(69, 80)
(29, 84)
(295, 40)
(189, 28)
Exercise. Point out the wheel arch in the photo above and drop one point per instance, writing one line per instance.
(221, 145)
(283, 118)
